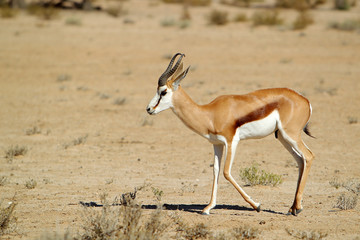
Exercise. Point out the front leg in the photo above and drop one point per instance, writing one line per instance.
(218, 152)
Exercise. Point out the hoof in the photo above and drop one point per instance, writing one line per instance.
(258, 209)
(205, 213)
(294, 212)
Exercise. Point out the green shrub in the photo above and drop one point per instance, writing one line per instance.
(255, 176)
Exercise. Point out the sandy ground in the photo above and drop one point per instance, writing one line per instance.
(94, 80)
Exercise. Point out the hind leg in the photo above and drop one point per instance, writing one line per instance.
(304, 158)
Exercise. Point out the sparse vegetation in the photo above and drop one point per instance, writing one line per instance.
(30, 184)
(120, 101)
(7, 12)
(346, 201)
(240, 17)
(266, 17)
(117, 10)
(344, 4)
(217, 17)
(44, 13)
(190, 2)
(347, 25)
(121, 222)
(308, 235)
(157, 193)
(3, 180)
(15, 151)
(73, 21)
(7, 218)
(352, 120)
(32, 131)
(255, 176)
(76, 141)
(303, 20)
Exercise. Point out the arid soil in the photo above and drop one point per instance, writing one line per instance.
(90, 76)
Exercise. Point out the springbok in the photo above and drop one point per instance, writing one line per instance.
(231, 118)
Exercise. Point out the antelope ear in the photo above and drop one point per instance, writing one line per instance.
(181, 76)
(177, 72)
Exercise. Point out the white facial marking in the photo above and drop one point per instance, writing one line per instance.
(161, 101)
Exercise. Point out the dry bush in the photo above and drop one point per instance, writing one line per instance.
(346, 201)
(217, 17)
(190, 2)
(344, 4)
(352, 185)
(245, 233)
(255, 176)
(299, 4)
(44, 13)
(308, 235)
(266, 17)
(7, 219)
(30, 184)
(3, 180)
(121, 222)
(76, 141)
(14, 151)
(303, 20)
(33, 131)
(117, 10)
(184, 231)
(8, 12)
(240, 17)
(347, 25)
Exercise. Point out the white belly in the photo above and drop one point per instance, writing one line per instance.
(258, 129)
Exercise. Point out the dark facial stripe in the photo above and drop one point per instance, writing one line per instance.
(258, 114)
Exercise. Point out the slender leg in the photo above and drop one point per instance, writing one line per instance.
(303, 157)
(218, 152)
(230, 153)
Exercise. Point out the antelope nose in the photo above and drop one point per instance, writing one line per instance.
(148, 109)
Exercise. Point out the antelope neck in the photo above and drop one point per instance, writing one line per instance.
(190, 113)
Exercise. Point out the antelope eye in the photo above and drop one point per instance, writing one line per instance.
(163, 93)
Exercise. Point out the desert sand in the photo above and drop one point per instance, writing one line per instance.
(93, 80)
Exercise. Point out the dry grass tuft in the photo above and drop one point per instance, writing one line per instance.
(76, 141)
(8, 12)
(308, 235)
(346, 201)
(190, 2)
(303, 20)
(7, 219)
(266, 18)
(255, 176)
(3, 180)
(184, 231)
(349, 25)
(217, 17)
(30, 184)
(44, 13)
(121, 222)
(14, 151)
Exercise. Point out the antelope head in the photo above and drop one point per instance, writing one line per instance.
(168, 83)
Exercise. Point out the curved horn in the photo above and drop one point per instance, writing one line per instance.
(169, 70)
